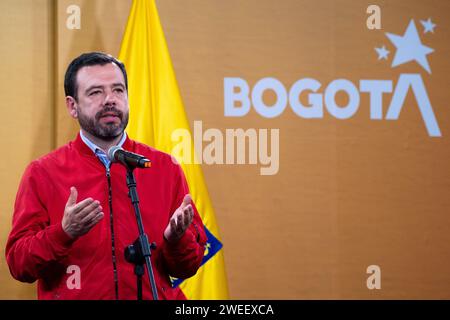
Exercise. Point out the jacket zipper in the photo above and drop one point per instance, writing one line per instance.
(116, 281)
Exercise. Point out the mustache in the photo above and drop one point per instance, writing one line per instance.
(110, 110)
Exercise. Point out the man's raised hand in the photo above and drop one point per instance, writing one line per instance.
(180, 220)
(80, 217)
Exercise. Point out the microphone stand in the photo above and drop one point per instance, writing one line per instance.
(140, 251)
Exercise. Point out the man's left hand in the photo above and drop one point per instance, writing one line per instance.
(180, 220)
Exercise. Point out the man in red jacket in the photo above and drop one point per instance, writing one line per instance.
(72, 216)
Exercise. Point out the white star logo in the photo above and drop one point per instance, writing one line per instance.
(409, 48)
(382, 53)
(428, 25)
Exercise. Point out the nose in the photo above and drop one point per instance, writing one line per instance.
(110, 99)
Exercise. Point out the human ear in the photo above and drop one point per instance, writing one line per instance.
(71, 105)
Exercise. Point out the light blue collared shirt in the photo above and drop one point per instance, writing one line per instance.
(103, 157)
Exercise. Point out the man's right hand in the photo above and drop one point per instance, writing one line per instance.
(80, 217)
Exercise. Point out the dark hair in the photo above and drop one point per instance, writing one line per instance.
(88, 59)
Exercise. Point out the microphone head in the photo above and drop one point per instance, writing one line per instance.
(112, 151)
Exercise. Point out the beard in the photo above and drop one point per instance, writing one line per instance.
(108, 131)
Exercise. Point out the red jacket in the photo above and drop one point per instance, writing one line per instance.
(39, 249)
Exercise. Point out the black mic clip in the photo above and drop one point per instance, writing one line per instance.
(128, 159)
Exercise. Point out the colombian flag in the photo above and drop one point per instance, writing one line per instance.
(156, 112)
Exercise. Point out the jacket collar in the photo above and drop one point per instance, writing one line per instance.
(85, 150)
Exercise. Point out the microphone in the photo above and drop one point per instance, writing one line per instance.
(127, 158)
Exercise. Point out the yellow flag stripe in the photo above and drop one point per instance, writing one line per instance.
(156, 111)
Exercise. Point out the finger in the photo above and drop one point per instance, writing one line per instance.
(92, 207)
(173, 226)
(82, 204)
(187, 216)
(72, 200)
(186, 201)
(91, 215)
(191, 214)
(180, 227)
(94, 221)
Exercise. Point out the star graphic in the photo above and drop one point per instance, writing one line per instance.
(382, 53)
(428, 25)
(410, 48)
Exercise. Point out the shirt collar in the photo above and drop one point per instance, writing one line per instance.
(94, 147)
